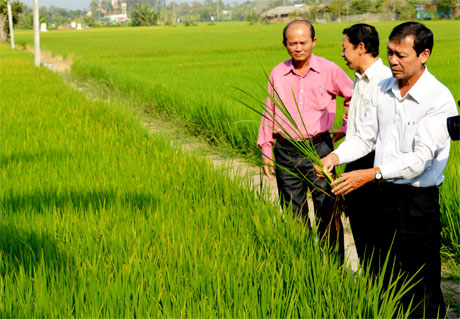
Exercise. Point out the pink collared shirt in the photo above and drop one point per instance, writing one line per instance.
(315, 93)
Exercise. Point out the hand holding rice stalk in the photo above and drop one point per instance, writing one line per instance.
(297, 134)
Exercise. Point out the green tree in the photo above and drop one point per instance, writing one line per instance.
(401, 8)
(93, 8)
(337, 8)
(205, 16)
(27, 21)
(106, 5)
(16, 10)
(360, 6)
(315, 9)
(447, 7)
(144, 15)
(448, 4)
(253, 17)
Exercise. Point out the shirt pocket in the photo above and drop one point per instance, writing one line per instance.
(319, 98)
(408, 139)
(365, 102)
(361, 109)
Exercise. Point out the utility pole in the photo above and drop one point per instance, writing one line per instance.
(36, 34)
(10, 20)
(217, 11)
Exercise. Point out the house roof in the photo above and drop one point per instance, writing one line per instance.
(284, 11)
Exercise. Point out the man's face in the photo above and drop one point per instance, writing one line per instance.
(403, 59)
(350, 54)
(299, 43)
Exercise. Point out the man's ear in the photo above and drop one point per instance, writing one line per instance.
(362, 48)
(424, 55)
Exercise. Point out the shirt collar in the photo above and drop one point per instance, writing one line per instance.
(314, 65)
(417, 92)
(371, 71)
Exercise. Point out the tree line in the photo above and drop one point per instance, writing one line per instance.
(158, 12)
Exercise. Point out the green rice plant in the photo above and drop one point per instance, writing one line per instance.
(450, 206)
(188, 74)
(101, 219)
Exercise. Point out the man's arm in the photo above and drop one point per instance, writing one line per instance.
(337, 135)
(343, 88)
(421, 143)
(351, 149)
(363, 141)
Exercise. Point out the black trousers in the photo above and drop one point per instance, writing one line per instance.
(293, 190)
(407, 220)
(357, 209)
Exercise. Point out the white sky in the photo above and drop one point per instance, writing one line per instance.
(84, 4)
(67, 4)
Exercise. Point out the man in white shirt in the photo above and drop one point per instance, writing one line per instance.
(406, 125)
(360, 51)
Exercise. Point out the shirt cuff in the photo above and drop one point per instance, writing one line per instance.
(390, 171)
(342, 157)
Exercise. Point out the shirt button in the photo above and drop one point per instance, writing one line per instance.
(301, 91)
(300, 103)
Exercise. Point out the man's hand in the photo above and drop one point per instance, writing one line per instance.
(337, 135)
(268, 168)
(328, 162)
(348, 182)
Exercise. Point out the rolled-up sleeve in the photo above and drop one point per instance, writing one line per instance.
(431, 136)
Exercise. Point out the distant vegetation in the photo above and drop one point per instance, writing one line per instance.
(158, 12)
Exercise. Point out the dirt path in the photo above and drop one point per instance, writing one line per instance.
(234, 166)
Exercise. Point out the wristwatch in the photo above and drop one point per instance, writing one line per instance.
(378, 175)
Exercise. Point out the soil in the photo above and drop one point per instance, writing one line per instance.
(234, 166)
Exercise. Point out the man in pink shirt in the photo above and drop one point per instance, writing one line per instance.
(315, 83)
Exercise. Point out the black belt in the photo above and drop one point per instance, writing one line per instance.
(318, 138)
(406, 187)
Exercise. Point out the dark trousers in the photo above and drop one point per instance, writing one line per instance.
(357, 209)
(293, 190)
(407, 219)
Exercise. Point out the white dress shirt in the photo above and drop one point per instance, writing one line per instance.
(363, 88)
(409, 133)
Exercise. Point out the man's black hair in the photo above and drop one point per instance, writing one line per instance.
(423, 37)
(366, 34)
(312, 30)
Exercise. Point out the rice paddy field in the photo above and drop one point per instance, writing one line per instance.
(102, 219)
